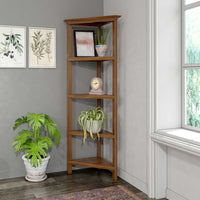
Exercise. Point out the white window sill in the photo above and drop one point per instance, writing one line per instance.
(182, 139)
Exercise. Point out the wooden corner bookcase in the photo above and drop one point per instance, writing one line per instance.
(98, 161)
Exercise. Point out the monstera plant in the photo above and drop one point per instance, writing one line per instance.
(36, 141)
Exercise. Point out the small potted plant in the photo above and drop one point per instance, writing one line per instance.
(35, 141)
(102, 48)
(92, 120)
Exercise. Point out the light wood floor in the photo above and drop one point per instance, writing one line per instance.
(61, 183)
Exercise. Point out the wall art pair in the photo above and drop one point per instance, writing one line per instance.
(42, 47)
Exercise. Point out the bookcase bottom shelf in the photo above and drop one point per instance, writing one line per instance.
(94, 162)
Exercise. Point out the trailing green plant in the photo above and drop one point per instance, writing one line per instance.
(91, 115)
(102, 40)
(36, 140)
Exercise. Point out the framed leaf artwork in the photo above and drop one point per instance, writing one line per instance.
(12, 46)
(42, 47)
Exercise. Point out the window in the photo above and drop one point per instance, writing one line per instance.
(191, 64)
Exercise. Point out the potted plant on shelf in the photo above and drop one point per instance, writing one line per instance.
(35, 141)
(92, 120)
(102, 48)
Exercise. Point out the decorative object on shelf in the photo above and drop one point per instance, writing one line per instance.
(42, 47)
(96, 85)
(84, 43)
(35, 142)
(92, 120)
(102, 48)
(12, 47)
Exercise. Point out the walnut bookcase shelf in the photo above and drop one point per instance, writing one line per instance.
(96, 162)
(91, 59)
(103, 134)
(90, 96)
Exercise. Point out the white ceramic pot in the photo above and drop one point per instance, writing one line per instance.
(101, 50)
(94, 127)
(36, 174)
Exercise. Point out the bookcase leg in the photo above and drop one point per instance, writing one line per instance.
(114, 175)
(69, 169)
(69, 154)
(99, 148)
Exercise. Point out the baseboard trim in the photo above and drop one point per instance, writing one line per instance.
(11, 174)
(136, 182)
(171, 195)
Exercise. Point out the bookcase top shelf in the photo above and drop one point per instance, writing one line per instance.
(92, 21)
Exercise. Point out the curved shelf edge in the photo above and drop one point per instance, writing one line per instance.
(90, 96)
(103, 134)
(93, 162)
(107, 58)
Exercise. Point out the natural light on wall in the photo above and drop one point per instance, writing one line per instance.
(190, 1)
(191, 64)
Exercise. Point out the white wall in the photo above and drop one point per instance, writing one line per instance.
(183, 175)
(183, 170)
(168, 64)
(132, 72)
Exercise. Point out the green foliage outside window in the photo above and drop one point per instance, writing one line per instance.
(193, 97)
(192, 76)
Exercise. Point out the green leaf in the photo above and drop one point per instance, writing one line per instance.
(36, 120)
(19, 122)
(35, 151)
(57, 137)
(20, 45)
(17, 35)
(52, 129)
(45, 142)
(21, 139)
(6, 35)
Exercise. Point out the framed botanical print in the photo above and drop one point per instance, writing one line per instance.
(42, 47)
(12, 46)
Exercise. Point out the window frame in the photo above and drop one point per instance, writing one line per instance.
(184, 65)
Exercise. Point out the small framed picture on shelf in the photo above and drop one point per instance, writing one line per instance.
(84, 43)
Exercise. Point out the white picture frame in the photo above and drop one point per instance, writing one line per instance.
(12, 46)
(42, 47)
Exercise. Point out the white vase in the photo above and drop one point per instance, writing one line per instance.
(94, 127)
(36, 174)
